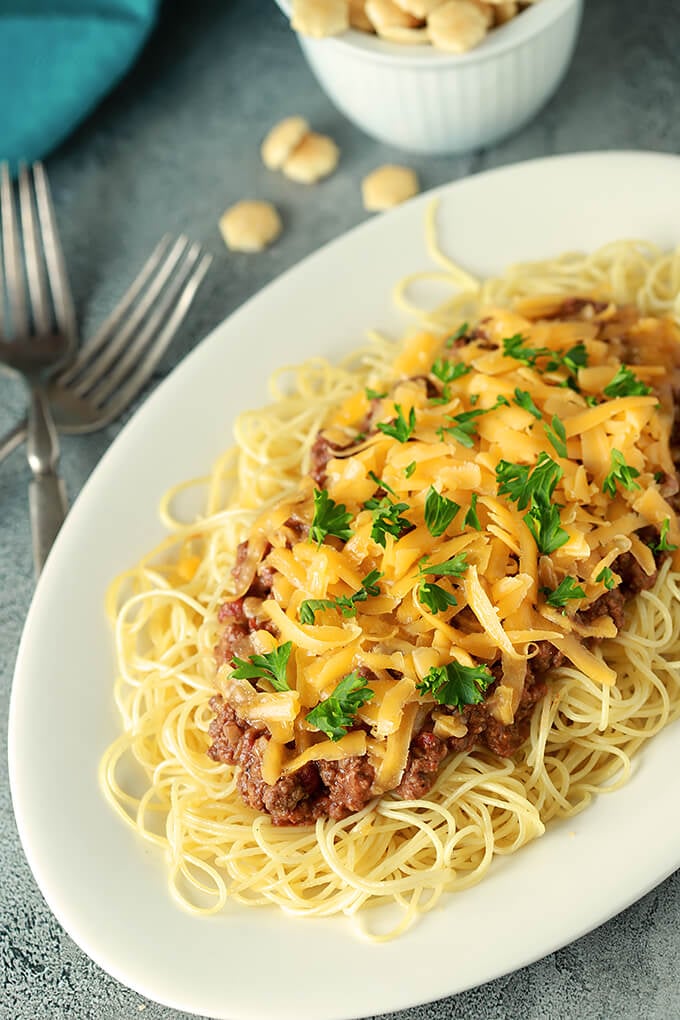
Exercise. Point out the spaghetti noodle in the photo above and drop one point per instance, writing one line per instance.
(602, 702)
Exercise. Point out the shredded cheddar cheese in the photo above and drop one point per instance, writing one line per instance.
(480, 485)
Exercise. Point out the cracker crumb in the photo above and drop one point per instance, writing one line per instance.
(250, 225)
(388, 186)
(281, 140)
(315, 157)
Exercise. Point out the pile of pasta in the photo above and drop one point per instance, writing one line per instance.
(602, 705)
(519, 574)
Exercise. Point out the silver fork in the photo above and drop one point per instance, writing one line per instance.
(111, 369)
(37, 334)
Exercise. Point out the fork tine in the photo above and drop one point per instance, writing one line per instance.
(119, 313)
(119, 371)
(16, 292)
(118, 343)
(54, 257)
(35, 276)
(129, 390)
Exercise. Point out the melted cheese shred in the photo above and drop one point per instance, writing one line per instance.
(602, 705)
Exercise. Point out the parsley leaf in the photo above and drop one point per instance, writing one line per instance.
(620, 472)
(460, 332)
(271, 666)
(606, 577)
(455, 567)
(310, 607)
(374, 395)
(456, 685)
(330, 518)
(626, 384)
(575, 358)
(663, 545)
(380, 483)
(565, 590)
(346, 604)
(409, 469)
(471, 519)
(534, 489)
(591, 401)
(544, 524)
(399, 429)
(557, 436)
(515, 347)
(439, 512)
(464, 429)
(369, 585)
(387, 519)
(525, 486)
(448, 370)
(336, 714)
(434, 597)
(523, 400)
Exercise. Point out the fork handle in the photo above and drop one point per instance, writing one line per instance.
(48, 505)
(46, 493)
(13, 438)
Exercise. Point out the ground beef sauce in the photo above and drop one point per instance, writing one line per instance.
(335, 789)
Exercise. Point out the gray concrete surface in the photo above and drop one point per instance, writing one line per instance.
(168, 151)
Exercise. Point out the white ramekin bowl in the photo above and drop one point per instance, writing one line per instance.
(420, 99)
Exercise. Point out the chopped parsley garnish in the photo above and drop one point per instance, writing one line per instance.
(516, 347)
(471, 519)
(544, 524)
(659, 477)
(591, 401)
(409, 469)
(380, 483)
(576, 357)
(455, 567)
(570, 384)
(460, 332)
(447, 371)
(567, 589)
(663, 545)
(523, 400)
(557, 436)
(439, 512)
(360, 436)
(524, 485)
(534, 489)
(434, 597)
(456, 685)
(620, 472)
(336, 714)
(346, 604)
(330, 518)
(399, 429)
(464, 429)
(473, 398)
(374, 395)
(271, 666)
(606, 578)
(387, 518)
(626, 384)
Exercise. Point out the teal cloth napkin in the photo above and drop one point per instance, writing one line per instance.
(58, 58)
